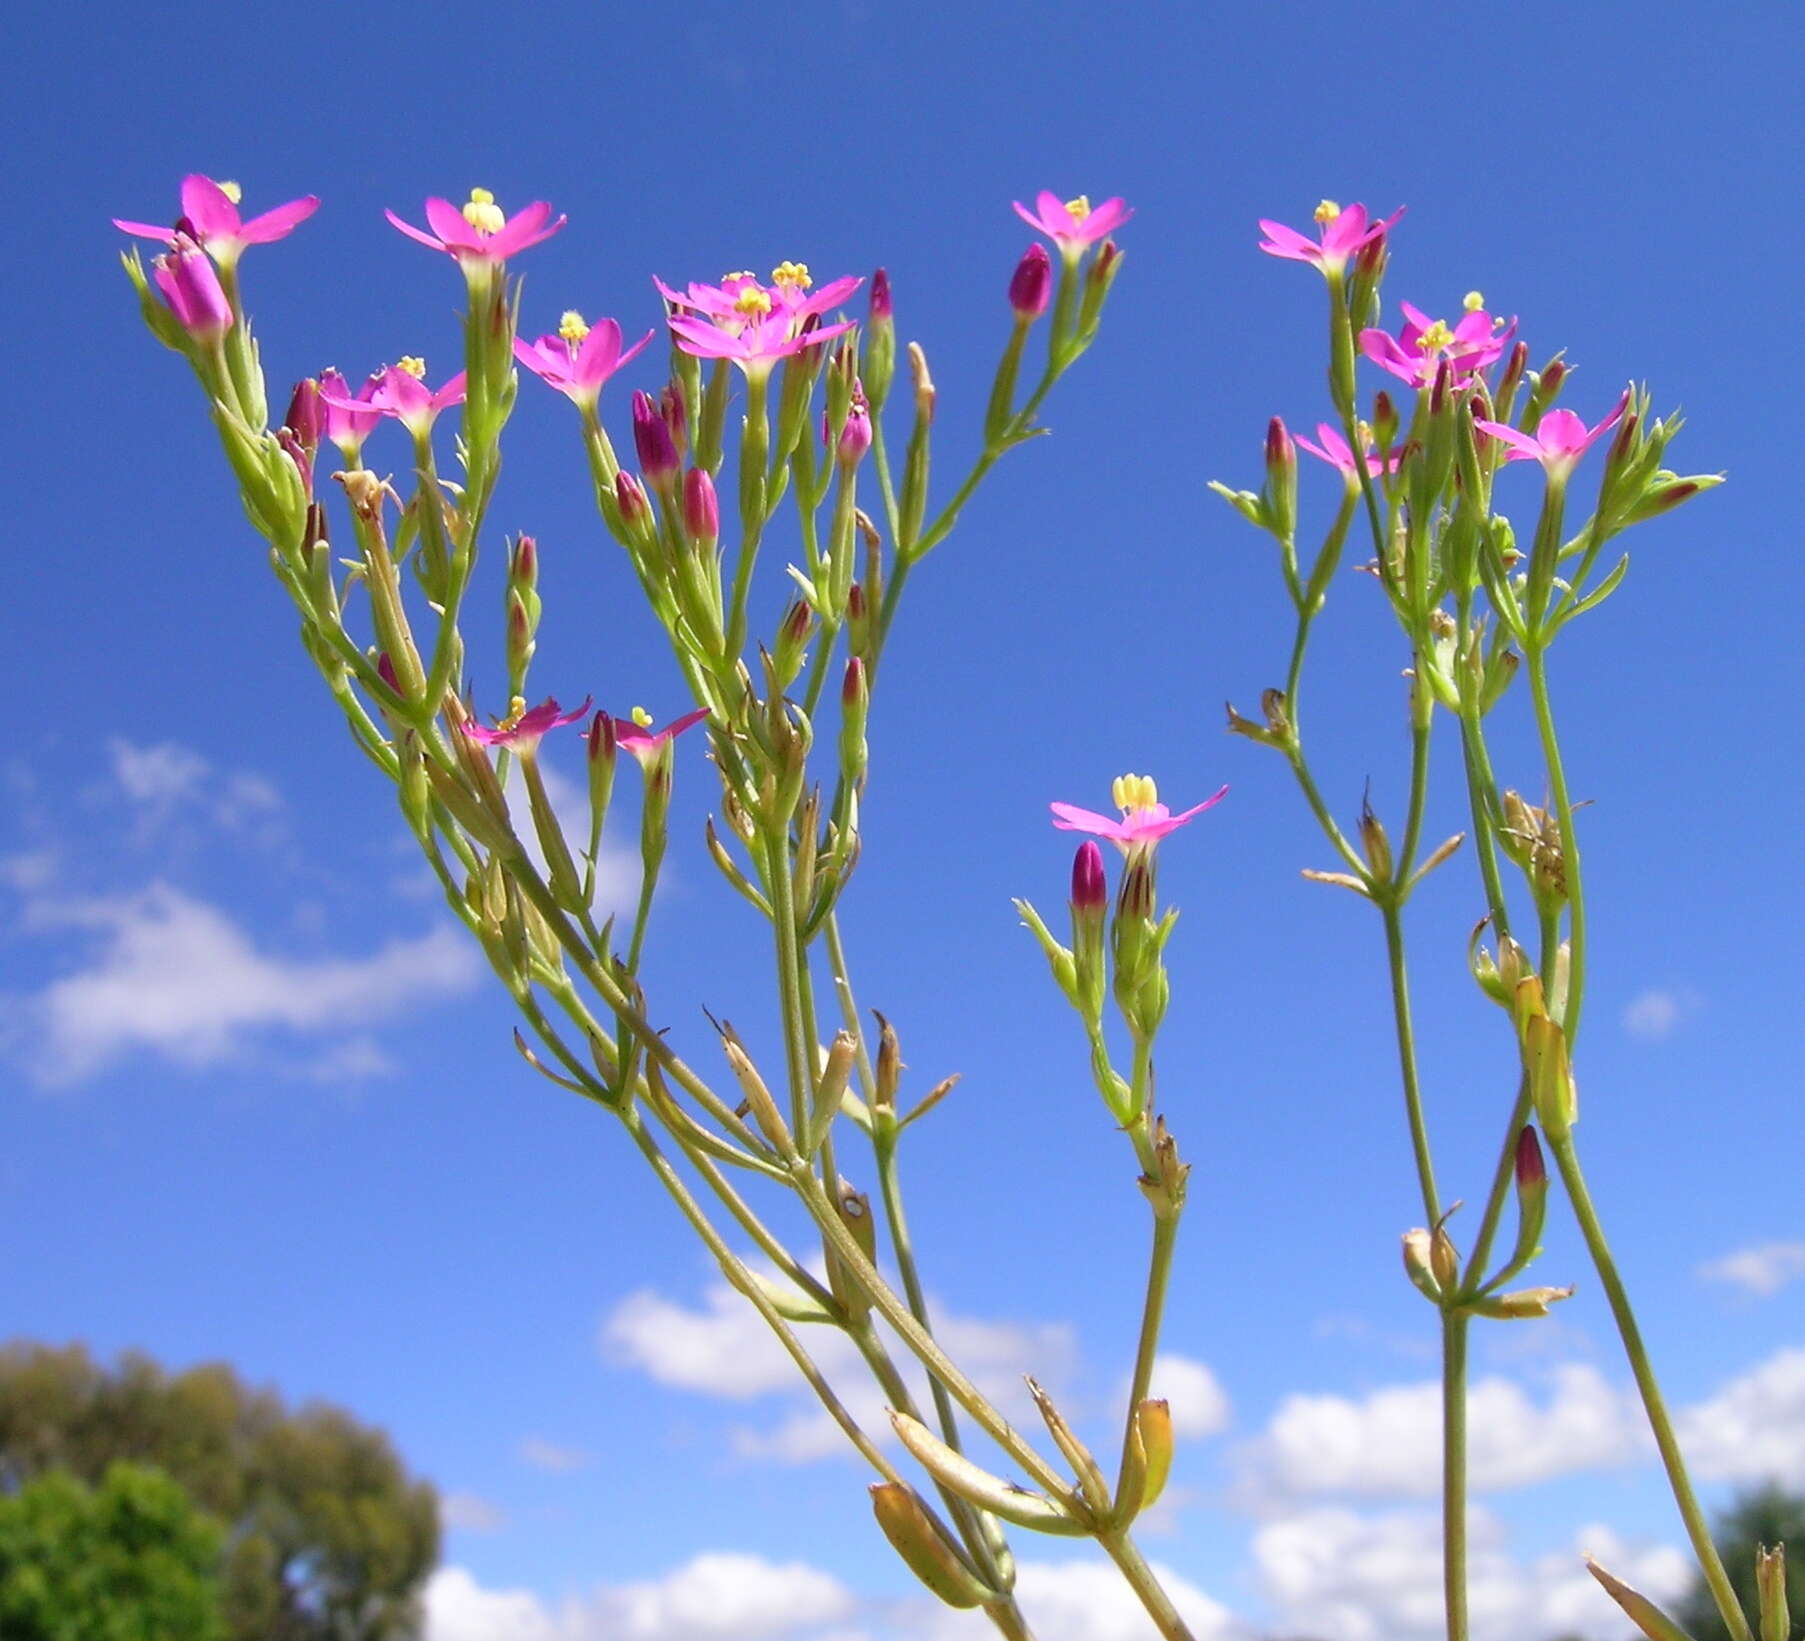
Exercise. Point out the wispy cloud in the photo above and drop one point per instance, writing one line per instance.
(544, 1455)
(467, 1513)
(1761, 1271)
(1655, 1014)
(1753, 1429)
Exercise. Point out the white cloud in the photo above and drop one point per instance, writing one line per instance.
(1653, 1014)
(164, 778)
(722, 1348)
(1754, 1427)
(1762, 1271)
(467, 1513)
(544, 1455)
(712, 1597)
(1389, 1443)
(1081, 1601)
(157, 775)
(175, 976)
(1378, 1578)
(1199, 1404)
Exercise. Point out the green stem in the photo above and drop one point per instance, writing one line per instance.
(1454, 1472)
(1710, 1563)
(1153, 1308)
(1122, 1550)
(1413, 1095)
(799, 1054)
(1536, 663)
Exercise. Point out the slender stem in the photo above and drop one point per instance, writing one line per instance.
(1536, 662)
(798, 1054)
(1122, 1550)
(1153, 1308)
(1419, 791)
(1454, 1472)
(1567, 1159)
(1413, 1094)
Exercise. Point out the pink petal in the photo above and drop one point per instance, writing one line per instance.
(1069, 817)
(1108, 216)
(707, 341)
(525, 229)
(1522, 445)
(415, 233)
(447, 221)
(1198, 808)
(205, 204)
(145, 230)
(1288, 242)
(279, 223)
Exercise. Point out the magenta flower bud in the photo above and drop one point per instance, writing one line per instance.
(670, 407)
(299, 454)
(1090, 893)
(1281, 478)
(855, 435)
(881, 305)
(797, 624)
(852, 688)
(523, 562)
(630, 499)
(701, 507)
(1530, 1169)
(601, 739)
(1031, 284)
(1385, 419)
(306, 417)
(652, 440)
(1438, 393)
(1514, 366)
(191, 287)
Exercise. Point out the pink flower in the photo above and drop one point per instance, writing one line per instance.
(754, 324)
(1560, 438)
(1335, 451)
(1417, 351)
(1343, 234)
(479, 235)
(524, 726)
(348, 427)
(402, 393)
(210, 217)
(1072, 224)
(1145, 820)
(577, 359)
(192, 289)
(633, 736)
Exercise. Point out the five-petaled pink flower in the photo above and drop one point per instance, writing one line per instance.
(525, 726)
(350, 417)
(1560, 438)
(1343, 234)
(1145, 820)
(639, 738)
(479, 235)
(192, 289)
(577, 359)
(753, 324)
(210, 218)
(1073, 223)
(1417, 352)
(1335, 450)
(400, 392)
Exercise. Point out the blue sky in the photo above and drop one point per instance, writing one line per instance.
(259, 1103)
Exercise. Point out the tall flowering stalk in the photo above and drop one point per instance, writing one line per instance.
(1475, 607)
(391, 650)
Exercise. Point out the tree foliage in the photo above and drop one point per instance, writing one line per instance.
(129, 1560)
(327, 1538)
(1765, 1517)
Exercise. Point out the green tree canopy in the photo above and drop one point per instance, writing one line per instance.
(327, 1537)
(129, 1560)
(1765, 1517)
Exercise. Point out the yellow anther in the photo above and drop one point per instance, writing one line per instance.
(792, 273)
(1327, 212)
(640, 716)
(516, 711)
(752, 300)
(412, 363)
(1473, 301)
(1435, 338)
(1130, 793)
(1365, 432)
(483, 214)
(571, 326)
(231, 190)
(1078, 209)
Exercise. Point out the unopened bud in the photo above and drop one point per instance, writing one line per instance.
(523, 562)
(652, 441)
(1438, 393)
(675, 417)
(1417, 1263)
(1531, 1172)
(855, 706)
(855, 432)
(1031, 284)
(1444, 1259)
(1385, 420)
(924, 383)
(889, 1066)
(630, 498)
(1090, 892)
(1374, 844)
(1281, 479)
(306, 417)
(925, 1546)
(701, 507)
(880, 342)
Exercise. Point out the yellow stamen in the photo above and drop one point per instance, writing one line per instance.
(1133, 792)
(1435, 338)
(1078, 209)
(1365, 430)
(571, 326)
(752, 299)
(413, 364)
(231, 190)
(516, 711)
(793, 274)
(483, 214)
(640, 716)
(1473, 301)
(1327, 212)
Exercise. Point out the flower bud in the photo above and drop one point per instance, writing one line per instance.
(600, 746)
(1090, 904)
(855, 705)
(1031, 284)
(675, 418)
(306, 416)
(855, 432)
(1444, 1260)
(630, 498)
(1385, 420)
(792, 642)
(889, 1066)
(880, 342)
(1281, 479)
(652, 440)
(1770, 1592)
(520, 644)
(1098, 278)
(925, 1546)
(1374, 844)
(1532, 1174)
(191, 288)
(701, 507)
(1417, 1267)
